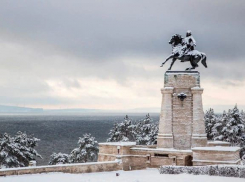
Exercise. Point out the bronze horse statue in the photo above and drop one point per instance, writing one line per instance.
(181, 52)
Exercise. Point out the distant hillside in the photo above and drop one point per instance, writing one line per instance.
(15, 109)
(72, 110)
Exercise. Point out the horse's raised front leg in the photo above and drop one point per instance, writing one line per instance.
(169, 57)
(173, 60)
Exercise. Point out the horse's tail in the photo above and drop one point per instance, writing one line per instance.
(203, 60)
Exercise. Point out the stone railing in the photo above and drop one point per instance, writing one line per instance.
(65, 168)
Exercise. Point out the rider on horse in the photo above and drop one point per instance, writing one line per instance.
(183, 50)
(189, 42)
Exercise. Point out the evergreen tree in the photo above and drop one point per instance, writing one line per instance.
(17, 151)
(123, 131)
(146, 132)
(153, 134)
(87, 150)
(232, 127)
(243, 116)
(59, 158)
(210, 120)
(218, 127)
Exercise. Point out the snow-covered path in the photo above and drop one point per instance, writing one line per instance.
(125, 176)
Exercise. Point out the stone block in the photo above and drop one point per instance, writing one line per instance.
(182, 142)
(216, 155)
(165, 141)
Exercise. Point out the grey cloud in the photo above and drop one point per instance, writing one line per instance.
(76, 39)
(70, 83)
(101, 30)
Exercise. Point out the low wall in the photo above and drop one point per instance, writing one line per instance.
(213, 170)
(65, 168)
(203, 156)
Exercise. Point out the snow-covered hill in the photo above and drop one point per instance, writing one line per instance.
(124, 176)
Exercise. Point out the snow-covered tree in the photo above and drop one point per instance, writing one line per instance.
(146, 131)
(87, 150)
(59, 158)
(218, 127)
(243, 116)
(232, 127)
(210, 120)
(17, 151)
(143, 132)
(153, 134)
(123, 131)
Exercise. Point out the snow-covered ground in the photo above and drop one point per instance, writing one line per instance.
(125, 176)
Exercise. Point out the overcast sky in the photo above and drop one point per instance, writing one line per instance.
(105, 54)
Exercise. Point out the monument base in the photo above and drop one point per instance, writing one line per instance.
(181, 124)
(199, 141)
(182, 139)
(165, 141)
(134, 156)
(216, 155)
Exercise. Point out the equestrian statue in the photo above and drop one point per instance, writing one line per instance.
(183, 49)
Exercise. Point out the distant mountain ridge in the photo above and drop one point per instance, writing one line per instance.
(16, 109)
(72, 110)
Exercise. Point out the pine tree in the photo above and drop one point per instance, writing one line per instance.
(210, 120)
(146, 131)
(153, 134)
(17, 151)
(87, 150)
(218, 127)
(123, 131)
(59, 158)
(243, 116)
(232, 127)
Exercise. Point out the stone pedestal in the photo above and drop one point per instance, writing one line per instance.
(199, 136)
(203, 156)
(165, 136)
(181, 124)
(182, 140)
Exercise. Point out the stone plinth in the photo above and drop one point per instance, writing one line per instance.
(134, 156)
(216, 155)
(181, 124)
(165, 136)
(218, 143)
(111, 150)
(199, 136)
(182, 140)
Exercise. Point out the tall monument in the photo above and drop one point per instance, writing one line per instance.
(181, 124)
(182, 139)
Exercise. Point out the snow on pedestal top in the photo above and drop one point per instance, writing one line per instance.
(217, 148)
(218, 142)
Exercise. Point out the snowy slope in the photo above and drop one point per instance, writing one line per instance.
(125, 176)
